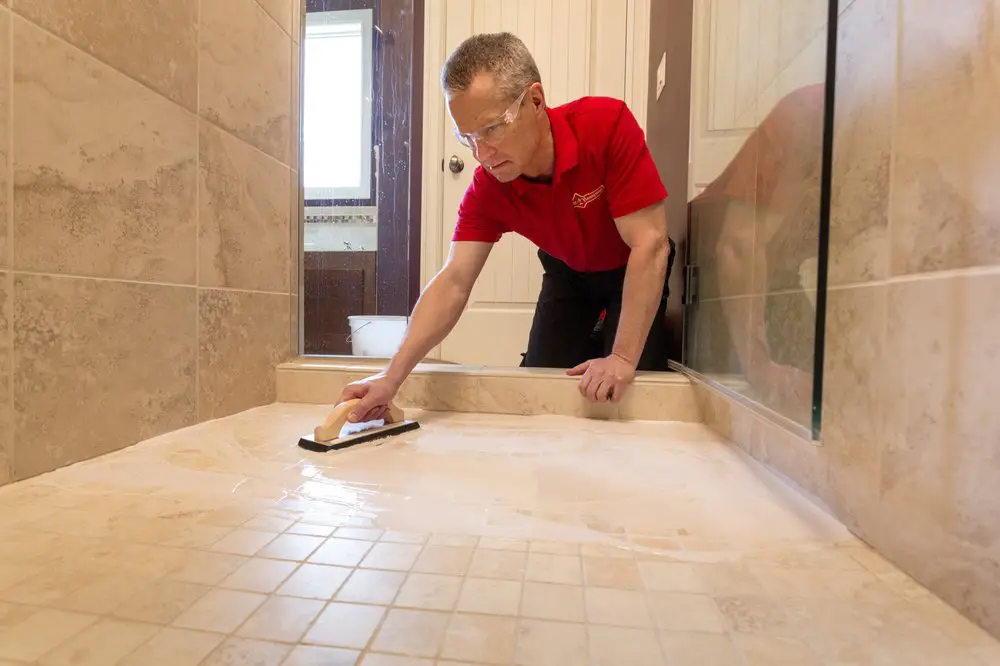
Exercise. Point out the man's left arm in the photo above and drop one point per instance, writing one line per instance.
(645, 232)
(636, 199)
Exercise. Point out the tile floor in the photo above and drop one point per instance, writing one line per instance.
(475, 540)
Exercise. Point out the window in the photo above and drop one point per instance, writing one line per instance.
(337, 106)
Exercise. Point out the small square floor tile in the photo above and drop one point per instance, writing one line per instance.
(345, 625)
(248, 652)
(429, 591)
(284, 619)
(551, 601)
(175, 647)
(341, 552)
(312, 655)
(414, 633)
(221, 611)
(490, 596)
(486, 639)
(391, 556)
(545, 643)
(315, 581)
(371, 587)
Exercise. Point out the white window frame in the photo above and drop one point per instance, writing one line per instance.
(366, 18)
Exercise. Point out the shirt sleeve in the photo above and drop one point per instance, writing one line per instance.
(632, 178)
(476, 221)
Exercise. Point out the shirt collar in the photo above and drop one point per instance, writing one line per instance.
(567, 148)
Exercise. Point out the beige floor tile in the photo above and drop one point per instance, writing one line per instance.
(161, 602)
(606, 551)
(764, 651)
(398, 536)
(296, 547)
(311, 655)
(448, 560)
(680, 611)
(315, 581)
(206, 568)
(625, 608)
(341, 552)
(267, 523)
(259, 575)
(243, 542)
(429, 591)
(391, 556)
(508, 565)
(700, 649)
(611, 572)
(673, 577)
(309, 529)
(375, 659)
(284, 619)
(761, 616)
(371, 587)
(104, 594)
(174, 647)
(31, 634)
(104, 642)
(727, 579)
(620, 646)
(490, 596)
(501, 543)
(486, 639)
(220, 611)
(248, 652)
(414, 633)
(345, 625)
(360, 533)
(545, 568)
(545, 643)
(459, 540)
(199, 537)
(552, 601)
(554, 547)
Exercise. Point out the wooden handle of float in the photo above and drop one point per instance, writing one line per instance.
(330, 429)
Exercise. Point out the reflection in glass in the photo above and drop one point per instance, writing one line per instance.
(757, 152)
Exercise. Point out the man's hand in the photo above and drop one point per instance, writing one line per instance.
(604, 379)
(375, 394)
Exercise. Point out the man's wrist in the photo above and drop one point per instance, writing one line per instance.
(624, 357)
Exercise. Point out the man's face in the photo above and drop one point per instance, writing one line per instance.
(503, 148)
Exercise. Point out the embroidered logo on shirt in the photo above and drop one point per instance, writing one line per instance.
(584, 200)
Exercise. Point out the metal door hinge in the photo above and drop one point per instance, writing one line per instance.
(690, 284)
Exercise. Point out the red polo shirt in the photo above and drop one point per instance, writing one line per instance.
(603, 170)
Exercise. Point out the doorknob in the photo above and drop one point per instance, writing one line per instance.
(455, 164)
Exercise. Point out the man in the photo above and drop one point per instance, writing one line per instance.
(579, 182)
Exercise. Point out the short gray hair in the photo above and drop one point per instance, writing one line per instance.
(501, 54)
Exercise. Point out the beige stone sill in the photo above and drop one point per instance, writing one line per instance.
(446, 387)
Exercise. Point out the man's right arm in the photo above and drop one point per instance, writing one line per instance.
(437, 311)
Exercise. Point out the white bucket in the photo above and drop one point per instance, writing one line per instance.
(378, 336)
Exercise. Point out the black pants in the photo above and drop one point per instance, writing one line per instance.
(565, 331)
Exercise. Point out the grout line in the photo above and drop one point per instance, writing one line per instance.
(8, 437)
(72, 276)
(275, 21)
(197, 216)
(946, 274)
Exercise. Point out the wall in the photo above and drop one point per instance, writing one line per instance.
(910, 455)
(667, 133)
(146, 188)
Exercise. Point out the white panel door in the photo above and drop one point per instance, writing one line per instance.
(579, 46)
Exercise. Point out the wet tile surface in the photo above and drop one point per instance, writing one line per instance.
(475, 540)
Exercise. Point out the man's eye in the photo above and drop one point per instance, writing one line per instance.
(490, 130)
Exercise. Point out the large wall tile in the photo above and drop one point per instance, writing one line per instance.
(944, 378)
(946, 207)
(98, 365)
(280, 11)
(854, 396)
(244, 209)
(242, 337)
(6, 407)
(104, 169)
(866, 70)
(245, 74)
(4, 135)
(940, 471)
(150, 40)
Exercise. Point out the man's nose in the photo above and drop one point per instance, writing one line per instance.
(483, 151)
